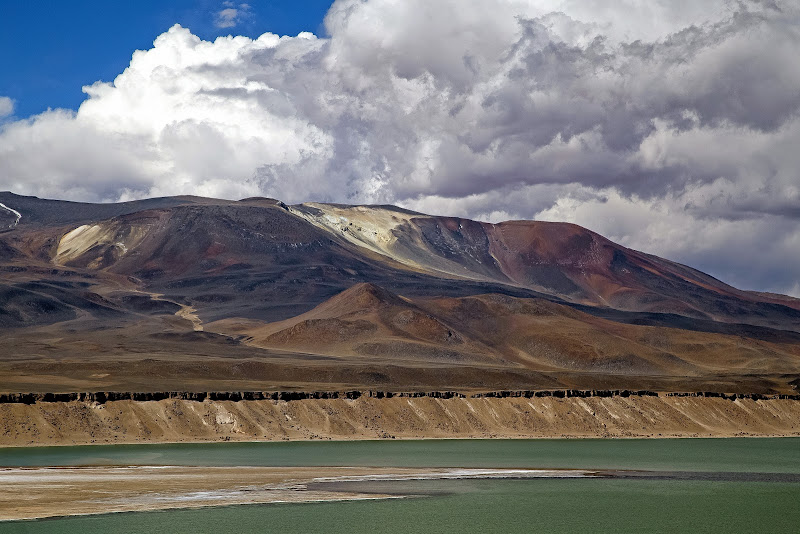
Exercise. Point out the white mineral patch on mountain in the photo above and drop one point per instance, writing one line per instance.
(84, 238)
(365, 226)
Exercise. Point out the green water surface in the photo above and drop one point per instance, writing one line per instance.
(539, 505)
(764, 455)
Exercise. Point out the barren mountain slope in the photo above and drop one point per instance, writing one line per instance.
(563, 260)
(369, 321)
(190, 290)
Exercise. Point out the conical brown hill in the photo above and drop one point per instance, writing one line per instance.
(368, 320)
(359, 299)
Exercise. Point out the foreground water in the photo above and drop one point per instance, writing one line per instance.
(610, 505)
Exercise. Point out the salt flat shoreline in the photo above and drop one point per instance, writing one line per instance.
(370, 418)
(38, 493)
(32, 493)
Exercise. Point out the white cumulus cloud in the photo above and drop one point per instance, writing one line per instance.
(231, 14)
(667, 124)
(6, 106)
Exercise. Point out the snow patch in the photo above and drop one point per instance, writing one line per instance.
(14, 212)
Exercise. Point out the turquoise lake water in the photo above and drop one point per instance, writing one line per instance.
(543, 505)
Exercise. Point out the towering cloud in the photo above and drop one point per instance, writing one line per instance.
(671, 126)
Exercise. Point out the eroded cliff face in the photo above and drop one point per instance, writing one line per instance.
(374, 416)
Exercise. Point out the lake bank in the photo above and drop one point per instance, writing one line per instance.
(179, 420)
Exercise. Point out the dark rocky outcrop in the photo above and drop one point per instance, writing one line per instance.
(101, 397)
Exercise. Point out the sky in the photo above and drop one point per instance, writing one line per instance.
(50, 49)
(669, 126)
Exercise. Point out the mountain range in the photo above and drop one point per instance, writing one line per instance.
(191, 293)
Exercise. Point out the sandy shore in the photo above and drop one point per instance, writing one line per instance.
(52, 492)
(74, 423)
